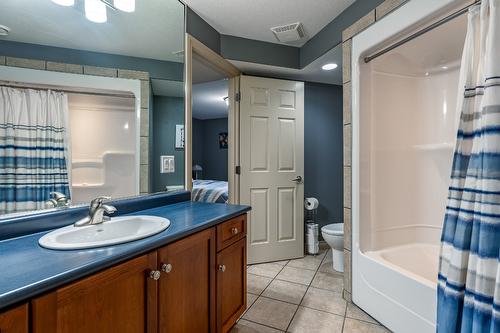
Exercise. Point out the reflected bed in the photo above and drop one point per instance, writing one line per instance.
(210, 191)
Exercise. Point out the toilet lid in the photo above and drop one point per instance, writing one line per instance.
(333, 229)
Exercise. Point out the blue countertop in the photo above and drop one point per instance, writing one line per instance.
(27, 270)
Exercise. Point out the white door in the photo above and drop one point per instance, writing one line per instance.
(272, 166)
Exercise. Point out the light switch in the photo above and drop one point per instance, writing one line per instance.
(167, 164)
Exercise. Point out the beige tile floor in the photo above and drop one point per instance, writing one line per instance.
(301, 295)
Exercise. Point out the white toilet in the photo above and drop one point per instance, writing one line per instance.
(333, 234)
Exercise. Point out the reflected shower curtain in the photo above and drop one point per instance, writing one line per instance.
(469, 267)
(33, 147)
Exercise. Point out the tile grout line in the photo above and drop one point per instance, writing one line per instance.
(302, 299)
(261, 324)
(309, 286)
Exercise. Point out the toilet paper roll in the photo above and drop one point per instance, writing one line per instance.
(311, 203)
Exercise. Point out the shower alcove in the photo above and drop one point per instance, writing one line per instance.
(404, 127)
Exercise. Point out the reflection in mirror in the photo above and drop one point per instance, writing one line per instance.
(168, 135)
(79, 85)
(210, 109)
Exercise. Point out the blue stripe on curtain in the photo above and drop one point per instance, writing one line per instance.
(33, 148)
(30, 193)
(469, 266)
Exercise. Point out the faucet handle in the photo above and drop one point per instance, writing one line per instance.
(57, 196)
(98, 201)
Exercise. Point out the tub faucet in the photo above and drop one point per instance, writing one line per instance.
(96, 212)
(57, 199)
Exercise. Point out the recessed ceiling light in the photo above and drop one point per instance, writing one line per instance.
(4, 30)
(64, 2)
(444, 67)
(125, 5)
(95, 11)
(426, 73)
(329, 67)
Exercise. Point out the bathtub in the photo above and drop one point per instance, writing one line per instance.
(398, 286)
(404, 123)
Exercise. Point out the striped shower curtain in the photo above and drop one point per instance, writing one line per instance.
(469, 268)
(33, 147)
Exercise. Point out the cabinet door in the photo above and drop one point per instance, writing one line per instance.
(15, 320)
(231, 285)
(186, 296)
(120, 299)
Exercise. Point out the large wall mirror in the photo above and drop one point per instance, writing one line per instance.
(91, 101)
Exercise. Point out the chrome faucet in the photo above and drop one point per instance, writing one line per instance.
(57, 199)
(96, 212)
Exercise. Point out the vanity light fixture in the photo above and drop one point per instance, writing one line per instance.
(4, 30)
(64, 2)
(95, 11)
(125, 5)
(329, 67)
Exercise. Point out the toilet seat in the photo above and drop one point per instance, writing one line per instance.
(334, 229)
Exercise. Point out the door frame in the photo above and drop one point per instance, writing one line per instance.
(194, 46)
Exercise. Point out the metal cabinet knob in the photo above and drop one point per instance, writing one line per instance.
(234, 231)
(155, 275)
(222, 268)
(167, 268)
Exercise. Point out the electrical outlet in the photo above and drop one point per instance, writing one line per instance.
(167, 164)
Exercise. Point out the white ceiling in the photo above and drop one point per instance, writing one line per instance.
(155, 30)
(203, 71)
(253, 18)
(208, 102)
(311, 73)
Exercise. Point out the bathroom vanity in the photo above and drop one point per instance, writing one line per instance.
(188, 278)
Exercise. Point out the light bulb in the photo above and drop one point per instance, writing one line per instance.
(64, 2)
(125, 5)
(329, 67)
(95, 11)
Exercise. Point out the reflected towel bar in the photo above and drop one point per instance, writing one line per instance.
(421, 32)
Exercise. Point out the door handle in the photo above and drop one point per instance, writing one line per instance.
(297, 179)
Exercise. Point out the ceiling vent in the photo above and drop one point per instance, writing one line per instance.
(289, 32)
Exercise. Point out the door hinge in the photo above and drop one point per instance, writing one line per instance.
(238, 170)
(237, 97)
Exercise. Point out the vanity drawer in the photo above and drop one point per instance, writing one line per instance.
(231, 231)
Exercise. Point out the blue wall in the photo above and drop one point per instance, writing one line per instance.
(157, 68)
(323, 152)
(206, 151)
(167, 112)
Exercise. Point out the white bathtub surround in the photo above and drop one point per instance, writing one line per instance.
(43, 72)
(469, 270)
(403, 133)
(103, 147)
(379, 13)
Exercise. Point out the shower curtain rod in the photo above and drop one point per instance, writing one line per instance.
(421, 32)
(21, 85)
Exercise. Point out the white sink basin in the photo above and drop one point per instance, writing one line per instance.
(117, 230)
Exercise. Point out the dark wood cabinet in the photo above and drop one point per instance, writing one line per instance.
(120, 299)
(196, 284)
(15, 320)
(231, 285)
(186, 288)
